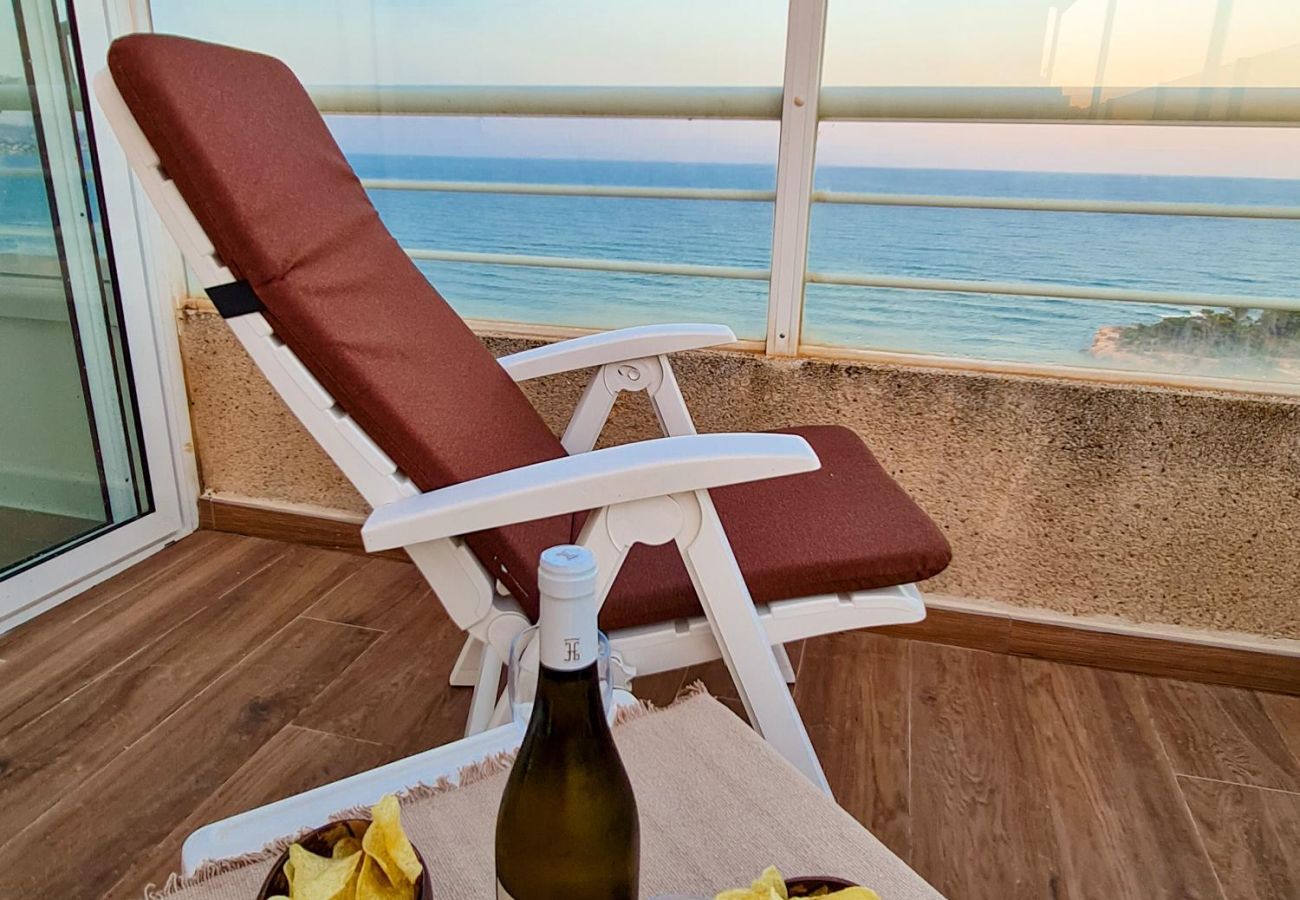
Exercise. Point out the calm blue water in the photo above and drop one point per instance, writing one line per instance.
(1151, 252)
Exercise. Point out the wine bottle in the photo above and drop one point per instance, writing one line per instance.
(567, 827)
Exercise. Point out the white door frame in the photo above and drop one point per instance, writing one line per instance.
(150, 278)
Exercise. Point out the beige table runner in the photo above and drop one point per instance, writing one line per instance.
(717, 805)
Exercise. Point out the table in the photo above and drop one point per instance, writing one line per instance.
(250, 831)
(716, 803)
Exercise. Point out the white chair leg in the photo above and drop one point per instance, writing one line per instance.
(465, 672)
(743, 641)
(783, 662)
(486, 689)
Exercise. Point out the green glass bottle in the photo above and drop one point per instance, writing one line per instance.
(567, 827)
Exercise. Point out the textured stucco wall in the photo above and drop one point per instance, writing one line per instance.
(1157, 506)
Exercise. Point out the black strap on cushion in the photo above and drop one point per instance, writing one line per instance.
(234, 299)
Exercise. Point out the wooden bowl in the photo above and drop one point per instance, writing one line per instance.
(321, 842)
(804, 887)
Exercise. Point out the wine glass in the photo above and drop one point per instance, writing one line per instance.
(521, 676)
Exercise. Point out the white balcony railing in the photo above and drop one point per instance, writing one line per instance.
(1030, 289)
(1253, 106)
(799, 105)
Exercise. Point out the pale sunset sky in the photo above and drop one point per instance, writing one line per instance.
(741, 42)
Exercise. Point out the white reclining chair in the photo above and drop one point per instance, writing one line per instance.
(709, 545)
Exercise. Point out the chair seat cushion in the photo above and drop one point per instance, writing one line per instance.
(847, 526)
(257, 165)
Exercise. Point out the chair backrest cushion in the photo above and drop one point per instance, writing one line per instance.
(256, 163)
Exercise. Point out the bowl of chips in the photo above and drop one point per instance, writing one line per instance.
(772, 885)
(815, 886)
(352, 859)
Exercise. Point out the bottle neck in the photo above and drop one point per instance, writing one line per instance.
(567, 632)
(568, 686)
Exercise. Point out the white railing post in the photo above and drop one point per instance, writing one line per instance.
(804, 45)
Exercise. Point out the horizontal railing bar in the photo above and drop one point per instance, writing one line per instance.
(26, 231)
(1160, 105)
(567, 190)
(595, 265)
(947, 285)
(1206, 105)
(1241, 106)
(939, 201)
(1036, 204)
(16, 97)
(617, 102)
(850, 279)
(1050, 290)
(20, 172)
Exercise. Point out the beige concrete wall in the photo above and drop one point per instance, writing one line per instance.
(1157, 506)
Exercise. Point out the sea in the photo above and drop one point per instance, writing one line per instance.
(1159, 253)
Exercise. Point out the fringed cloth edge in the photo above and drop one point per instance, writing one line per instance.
(474, 772)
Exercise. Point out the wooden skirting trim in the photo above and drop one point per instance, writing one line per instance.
(1155, 654)
(1162, 655)
(285, 525)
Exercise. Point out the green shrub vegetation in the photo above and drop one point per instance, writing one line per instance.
(1219, 333)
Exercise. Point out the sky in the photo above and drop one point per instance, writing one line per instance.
(741, 42)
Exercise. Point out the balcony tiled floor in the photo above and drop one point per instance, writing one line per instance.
(228, 671)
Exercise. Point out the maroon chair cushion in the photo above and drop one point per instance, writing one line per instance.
(253, 159)
(847, 526)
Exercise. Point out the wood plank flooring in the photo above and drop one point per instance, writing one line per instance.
(228, 671)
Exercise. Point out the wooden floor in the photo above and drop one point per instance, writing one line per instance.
(228, 671)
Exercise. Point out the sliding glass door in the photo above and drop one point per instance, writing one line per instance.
(74, 465)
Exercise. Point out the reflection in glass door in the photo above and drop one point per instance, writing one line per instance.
(71, 461)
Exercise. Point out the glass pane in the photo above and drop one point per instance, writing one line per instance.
(1256, 345)
(1168, 253)
(724, 44)
(1220, 256)
(497, 42)
(70, 460)
(672, 232)
(1024, 43)
(1113, 58)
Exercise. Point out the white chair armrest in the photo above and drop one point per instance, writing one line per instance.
(611, 347)
(592, 480)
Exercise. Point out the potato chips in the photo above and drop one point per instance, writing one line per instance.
(381, 865)
(771, 886)
(386, 843)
